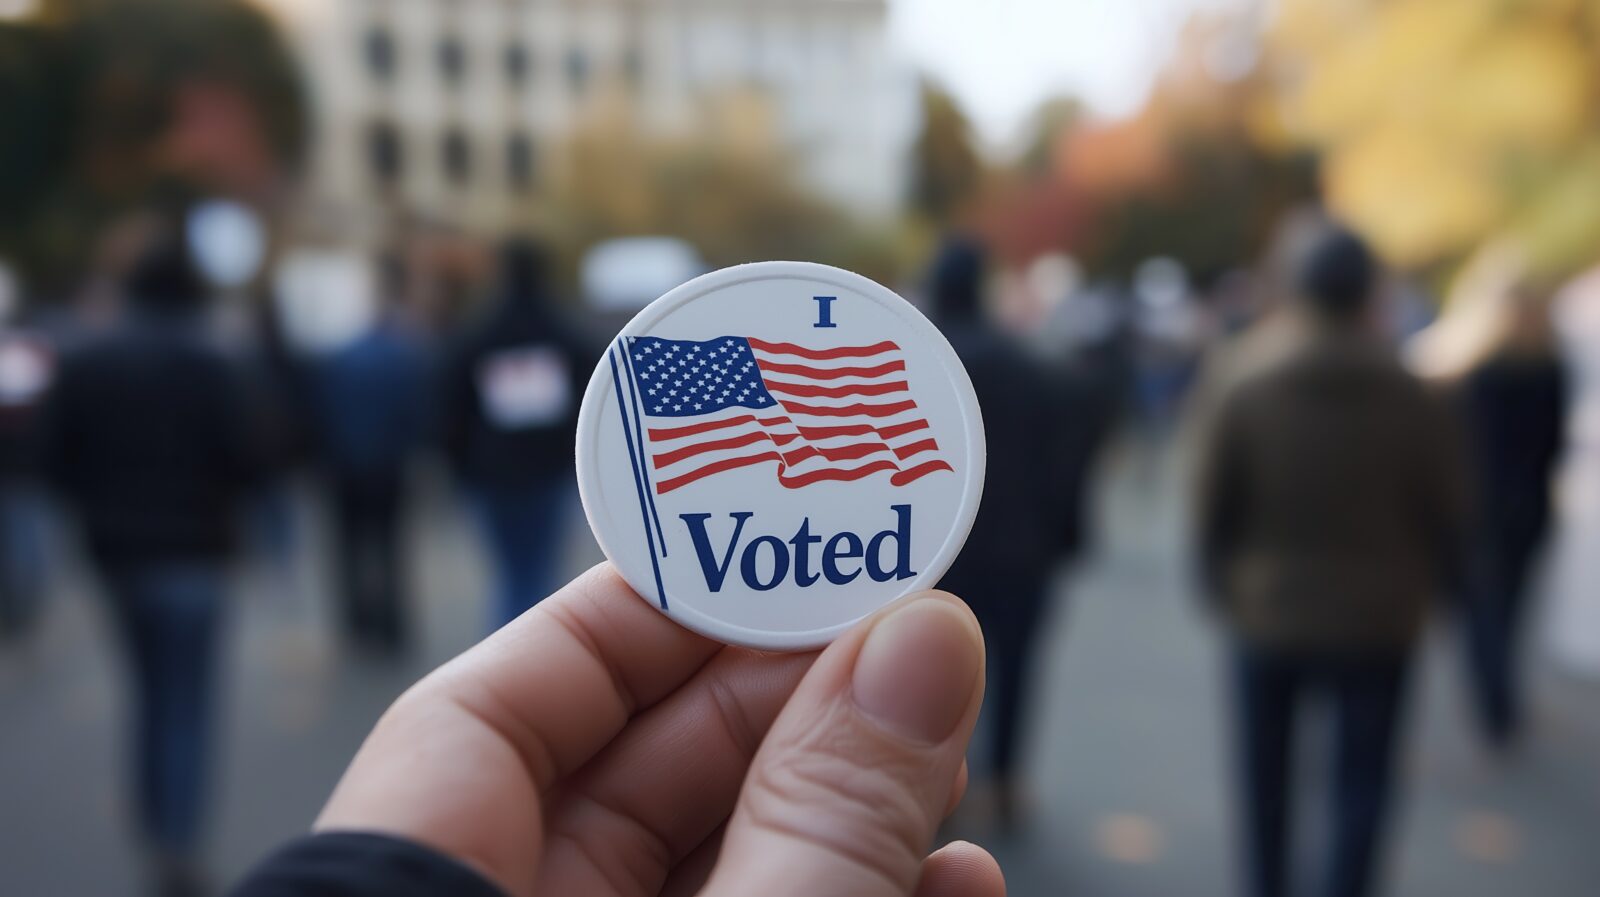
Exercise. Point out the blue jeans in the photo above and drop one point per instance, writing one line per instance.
(23, 558)
(168, 615)
(1366, 697)
(525, 528)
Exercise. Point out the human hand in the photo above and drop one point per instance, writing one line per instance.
(595, 747)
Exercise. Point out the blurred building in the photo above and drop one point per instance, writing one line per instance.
(459, 108)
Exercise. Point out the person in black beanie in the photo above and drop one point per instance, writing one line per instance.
(508, 415)
(1329, 508)
(150, 438)
(1041, 426)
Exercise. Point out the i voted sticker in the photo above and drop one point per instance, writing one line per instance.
(771, 452)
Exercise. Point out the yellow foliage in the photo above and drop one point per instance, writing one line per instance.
(1561, 223)
(1444, 122)
(1413, 198)
(1528, 87)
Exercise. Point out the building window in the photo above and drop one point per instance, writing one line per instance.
(457, 157)
(578, 69)
(519, 161)
(385, 152)
(452, 59)
(518, 63)
(378, 48)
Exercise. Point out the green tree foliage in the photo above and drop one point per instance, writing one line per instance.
(946, 169)
(112, 105)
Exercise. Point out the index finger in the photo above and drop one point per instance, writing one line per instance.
(559, 682)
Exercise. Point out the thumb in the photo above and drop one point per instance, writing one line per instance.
(849, 786)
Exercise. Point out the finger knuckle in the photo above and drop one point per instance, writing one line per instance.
(844, 796)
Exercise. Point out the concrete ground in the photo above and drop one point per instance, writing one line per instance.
(1126, 764)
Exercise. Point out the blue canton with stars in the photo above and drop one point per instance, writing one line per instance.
(686, 378)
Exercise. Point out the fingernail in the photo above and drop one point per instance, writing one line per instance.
(917, 670)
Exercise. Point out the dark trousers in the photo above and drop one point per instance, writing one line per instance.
(368, 562)
(1366, 699)
(1010, 607)
(168, 617)
(1493, 615)
(525, 526)
(22, 557)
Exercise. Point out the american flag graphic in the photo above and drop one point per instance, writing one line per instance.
(709, 406)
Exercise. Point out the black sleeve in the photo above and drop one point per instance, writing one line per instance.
(354, 864)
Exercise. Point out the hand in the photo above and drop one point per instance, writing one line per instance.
(595, 747)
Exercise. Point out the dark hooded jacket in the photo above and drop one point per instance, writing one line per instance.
(511, 384)
(151, 432)
(1038, 428)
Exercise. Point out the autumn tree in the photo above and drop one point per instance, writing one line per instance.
(946, 171)
(112, 105)
(1447, 123)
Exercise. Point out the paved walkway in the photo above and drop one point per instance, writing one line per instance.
(1125, 757)
(1132, 782)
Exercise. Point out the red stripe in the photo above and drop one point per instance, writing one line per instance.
(834, 392)
(850, 410)
(824, 354)
(900, 429)
(689, 451)
(845, 474)
(665, 486)
(916, 448)
(732, 442)
(921, 470)
(862, 430)
(801, 370)
(692, 429)
(836, 453)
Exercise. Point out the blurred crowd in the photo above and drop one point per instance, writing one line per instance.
(1357, 465)
(169, 420)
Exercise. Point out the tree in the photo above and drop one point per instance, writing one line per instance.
(946, 169)
(114, 105)
(1448, 123)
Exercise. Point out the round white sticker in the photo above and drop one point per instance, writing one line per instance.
(771, 452)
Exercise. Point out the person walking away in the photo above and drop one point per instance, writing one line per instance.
(369, 396)
(27, 365)
(508, 416)
(1494, 351)
(1039, 433)
(148, 438)
(1329, 507)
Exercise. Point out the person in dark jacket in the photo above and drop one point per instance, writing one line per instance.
(508, 415)
(369, 397)
(27, 363)
(1039, 431)
(1329, 509)
(149, 439)
(1494, 352)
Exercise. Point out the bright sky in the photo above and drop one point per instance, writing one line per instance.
(1002, 57)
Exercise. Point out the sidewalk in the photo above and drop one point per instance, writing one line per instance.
(1128, 762)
